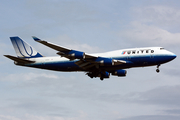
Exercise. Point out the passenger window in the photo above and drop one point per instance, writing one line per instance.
(147, 51)
(152, 51)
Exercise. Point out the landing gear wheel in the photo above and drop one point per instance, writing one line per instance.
(101, 78)
(157, 70)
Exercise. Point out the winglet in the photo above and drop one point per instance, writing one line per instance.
(36, 39)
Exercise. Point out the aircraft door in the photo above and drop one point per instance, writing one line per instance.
(152, 54)
(128, 55)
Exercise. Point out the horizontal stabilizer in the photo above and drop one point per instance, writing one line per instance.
(19, 60)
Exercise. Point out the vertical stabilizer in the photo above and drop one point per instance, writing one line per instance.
(24, 50)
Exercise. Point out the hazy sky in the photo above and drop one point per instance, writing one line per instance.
(90, 26)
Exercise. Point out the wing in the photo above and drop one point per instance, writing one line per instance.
(51, 45)
(89, 64)
(86, 61)
(65, 52)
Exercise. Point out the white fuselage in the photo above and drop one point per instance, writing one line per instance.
(140, 57)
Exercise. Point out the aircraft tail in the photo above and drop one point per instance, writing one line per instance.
(24, 50)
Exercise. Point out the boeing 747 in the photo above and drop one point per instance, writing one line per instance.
(94, 65)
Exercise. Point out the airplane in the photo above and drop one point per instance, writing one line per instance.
(94, 65)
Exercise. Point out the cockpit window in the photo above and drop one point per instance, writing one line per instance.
(161, 48)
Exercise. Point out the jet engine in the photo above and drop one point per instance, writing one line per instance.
(106, 62)
(104, 75)
(77, 55)
(119, 73)
(72, 54)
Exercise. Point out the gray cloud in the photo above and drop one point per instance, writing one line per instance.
(148, 35)
(163, 96)
(153, 117)
(61, 12)
(174, 72)
(173, 111)
(164, 16)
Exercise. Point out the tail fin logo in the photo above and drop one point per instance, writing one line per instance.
(23, 49)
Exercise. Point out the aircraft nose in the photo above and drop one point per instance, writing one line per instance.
(172, 56)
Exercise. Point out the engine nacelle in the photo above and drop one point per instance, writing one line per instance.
(119, 73)
(106, 62)
(77, 55)
(105, 74)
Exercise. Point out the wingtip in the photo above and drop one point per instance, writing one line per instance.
(35, 38)
(5, 55)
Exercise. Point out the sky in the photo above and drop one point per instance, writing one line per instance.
(90, 26)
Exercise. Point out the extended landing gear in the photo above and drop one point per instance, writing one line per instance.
(101, 74)
(157, 70)
(101, 78)
(90, 75)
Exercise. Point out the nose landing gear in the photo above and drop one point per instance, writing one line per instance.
(157, 70)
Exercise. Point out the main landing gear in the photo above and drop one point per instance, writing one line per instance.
(157, 70)
(101, 78)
